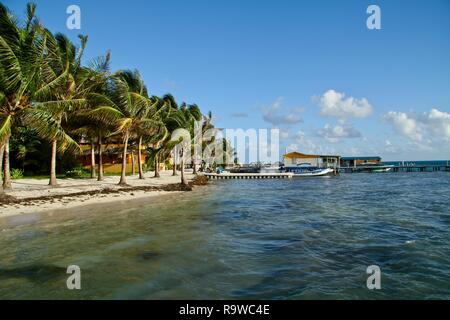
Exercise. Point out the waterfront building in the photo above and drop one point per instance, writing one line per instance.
(296, 159)
(354, 162)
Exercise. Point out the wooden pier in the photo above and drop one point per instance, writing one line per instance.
(221, 176)
(398, 168)
(420, 168)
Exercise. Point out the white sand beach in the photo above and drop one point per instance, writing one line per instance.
(67, 193)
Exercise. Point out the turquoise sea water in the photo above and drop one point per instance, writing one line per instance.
(310, 238)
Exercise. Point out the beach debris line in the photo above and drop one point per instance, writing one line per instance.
(7, 199)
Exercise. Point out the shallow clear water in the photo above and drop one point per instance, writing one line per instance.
(309, 238)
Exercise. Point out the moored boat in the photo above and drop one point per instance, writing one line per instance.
(382, 169)
(306, 170)
(314, 173)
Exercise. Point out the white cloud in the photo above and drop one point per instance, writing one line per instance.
(275, 114)
(405, 125)
(337, 132)
(429, 126)
(336, 104)
(438, 123)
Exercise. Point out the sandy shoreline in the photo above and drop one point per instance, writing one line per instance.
(33, 195)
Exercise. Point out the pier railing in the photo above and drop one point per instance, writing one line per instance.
(409, 167)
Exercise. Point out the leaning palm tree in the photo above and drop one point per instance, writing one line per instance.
(162, 145)
(21, 56)
(98, 125)
(148, 128)
(199, 143)
(154, 148)
(166, 146)
(85, 123)
(186, 119)
(128, 104)
(63, 85)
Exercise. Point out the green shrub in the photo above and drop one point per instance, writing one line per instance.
(16, 174)
(169, 166)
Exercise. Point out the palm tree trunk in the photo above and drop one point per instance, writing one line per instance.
(100, 159)
(174, 169)
(93, 174)
(133, 163)
(194, 165)
(141, 172)
(123, 176)
(53, 165)
(183, 178)
(2, 152)
(6, 173)
(157, 175)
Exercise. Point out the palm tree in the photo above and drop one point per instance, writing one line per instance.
(62, 89)
(186, 119)
(128, 103)
(166, 145)
(93, 128)
(99, 127)
(162, 144)
(148, 128)
(199, 142)
(21, 55)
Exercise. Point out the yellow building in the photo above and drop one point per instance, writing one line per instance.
(112, 158)
(295, 159)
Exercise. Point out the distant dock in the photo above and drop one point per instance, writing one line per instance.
(398, 168)
(221, 176)
(420, 168)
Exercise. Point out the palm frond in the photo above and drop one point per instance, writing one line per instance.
(101, 99)
(11, 69)
(31, 10)
(49, 128)
(105, 114)
(61, 106)
(5, 128)
(101, 63)
(124, 124)
(48, 89)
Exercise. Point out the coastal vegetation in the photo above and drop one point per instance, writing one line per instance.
(52, 102)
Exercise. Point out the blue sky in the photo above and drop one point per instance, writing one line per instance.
(310, 68)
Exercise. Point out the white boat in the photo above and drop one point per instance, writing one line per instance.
(270, 169)
(382, 169)
(314, 173)
(374, 168)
